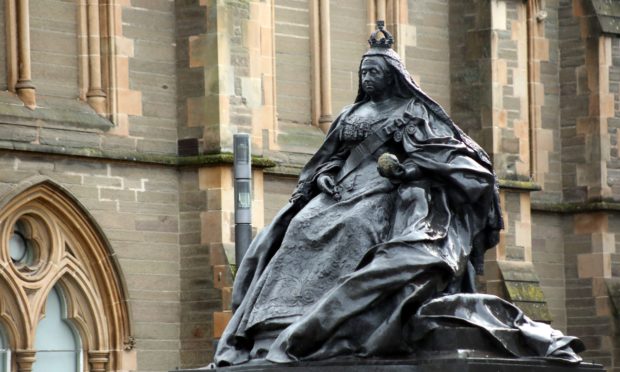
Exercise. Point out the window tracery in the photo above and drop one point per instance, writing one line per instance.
(63, 242)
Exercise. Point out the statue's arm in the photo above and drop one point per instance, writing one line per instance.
(434, 150)
(328, 159)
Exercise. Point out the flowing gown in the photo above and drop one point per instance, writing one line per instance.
(371, 272)
(327, 239)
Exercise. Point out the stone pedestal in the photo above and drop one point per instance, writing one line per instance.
(454, 349)
(459, 362)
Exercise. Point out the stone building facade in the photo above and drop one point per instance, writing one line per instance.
(116, 124)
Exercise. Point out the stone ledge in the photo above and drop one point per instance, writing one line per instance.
(518, 185)
(222, 158)
(577, 207)
(133, 157)
(52, 112)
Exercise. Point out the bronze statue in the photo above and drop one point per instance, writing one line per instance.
(381, 239)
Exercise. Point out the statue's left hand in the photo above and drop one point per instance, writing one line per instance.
(326, 183)
(390, 167)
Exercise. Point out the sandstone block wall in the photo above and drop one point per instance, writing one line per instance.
(136, 206)
(542, 96)
(427, 41)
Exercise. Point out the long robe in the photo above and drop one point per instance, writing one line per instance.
(396, 258)
(346, 276)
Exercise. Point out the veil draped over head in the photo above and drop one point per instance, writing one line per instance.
(405, 87)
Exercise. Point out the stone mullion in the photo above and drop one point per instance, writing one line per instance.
(113, 77)
(95, 95)
(315, 48)
(606, 110)
(326, 65)
(396, 22)
(321, 64)
(591, 173)
(381, 10)
(533, 73)
(371, 10)
(541, 143)
(24, 87)
(93, 77)
(11, 39)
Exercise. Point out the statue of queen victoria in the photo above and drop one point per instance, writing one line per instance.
(381, 240)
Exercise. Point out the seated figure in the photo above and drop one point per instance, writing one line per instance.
(381, 240)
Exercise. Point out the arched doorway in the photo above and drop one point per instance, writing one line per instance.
(66, 307)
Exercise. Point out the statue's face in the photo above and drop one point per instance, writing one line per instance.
(375, 75)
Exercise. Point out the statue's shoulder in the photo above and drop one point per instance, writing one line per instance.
(343, 113)
(415, 107)
(345, 110)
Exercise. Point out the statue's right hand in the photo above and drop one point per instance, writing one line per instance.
(326, 183)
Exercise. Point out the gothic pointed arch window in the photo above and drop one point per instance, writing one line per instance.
(59, 311)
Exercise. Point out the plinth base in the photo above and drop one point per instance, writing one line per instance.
(454, 349)
(454, 363)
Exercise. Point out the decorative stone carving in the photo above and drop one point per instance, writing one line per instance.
(98, 360)
(67, 242)
(25, 360)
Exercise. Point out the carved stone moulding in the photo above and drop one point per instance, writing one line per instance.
(48, 240)
(27, 235)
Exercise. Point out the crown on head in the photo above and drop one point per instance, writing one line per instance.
(385, 42)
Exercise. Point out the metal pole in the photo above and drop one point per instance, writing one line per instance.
(243, 194)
